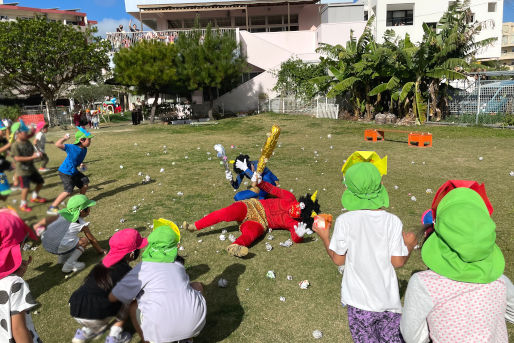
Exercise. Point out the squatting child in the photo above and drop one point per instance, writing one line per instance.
(70, 176)
(369, 241)
(164, 306)
(463, 296)
(16, 301)
(59, 234)
(90, 306)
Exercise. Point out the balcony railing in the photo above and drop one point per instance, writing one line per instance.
(127, 39)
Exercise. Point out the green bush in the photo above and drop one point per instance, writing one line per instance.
(509, 119)
(10, 112)
(121, 117)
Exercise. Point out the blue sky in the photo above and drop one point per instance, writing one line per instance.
(111, 13)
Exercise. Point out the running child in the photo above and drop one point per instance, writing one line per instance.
(16, 299)
(24, 154)
(463, 296)
(90, 306)
(39, 143)
(59, 234)
(164, 306)
(369, 241)
(70, 176)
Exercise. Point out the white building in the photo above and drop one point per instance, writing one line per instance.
(272, 31)
(404, 16)
(10, 11)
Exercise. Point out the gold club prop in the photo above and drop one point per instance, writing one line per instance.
(267, 151)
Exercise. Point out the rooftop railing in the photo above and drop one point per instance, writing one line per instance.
(127, 39)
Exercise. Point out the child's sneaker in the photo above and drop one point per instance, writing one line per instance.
(189, 227)
(81, 336)
(25, 208)
(73, 267)
(237, 250)
(38, 199)
(123, 337)
(53, 211)
(43, 170)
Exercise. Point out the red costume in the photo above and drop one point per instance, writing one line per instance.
(279, 213)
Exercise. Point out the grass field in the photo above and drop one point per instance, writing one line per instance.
(306, 159)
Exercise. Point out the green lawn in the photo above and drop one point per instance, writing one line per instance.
(249, 309)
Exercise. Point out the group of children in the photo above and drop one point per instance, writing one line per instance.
(463, 295)
(15, 141)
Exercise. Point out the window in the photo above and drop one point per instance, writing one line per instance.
(223, 22)
(491, 7)
(261, 20)
(188, 23)
(240, 21)
(293, 18)
(174, 24)
(277, 29)
(432, 25)
(365, 15)
(400, 18)
(275, 20)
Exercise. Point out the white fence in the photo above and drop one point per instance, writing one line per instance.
(127, 39)
(318, 107)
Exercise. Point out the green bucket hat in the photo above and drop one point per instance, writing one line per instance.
(76, 204)
(81, 133)
(364, 188)
(162, 245)
(463, 247)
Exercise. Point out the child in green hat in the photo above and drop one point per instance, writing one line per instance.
(24, 154)
(59, 234)
(370, 243)
(464, 296)
(70, 176)
(165, 306)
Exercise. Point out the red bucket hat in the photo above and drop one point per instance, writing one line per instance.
(122, 243)
(13, 231)
(451, 184)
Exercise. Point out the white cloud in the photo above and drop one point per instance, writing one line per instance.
(109, 25)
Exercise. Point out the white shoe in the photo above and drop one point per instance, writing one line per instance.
(73, 267)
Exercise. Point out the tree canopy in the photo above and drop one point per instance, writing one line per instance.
(44, 57)
(209, 59)
(149, 66)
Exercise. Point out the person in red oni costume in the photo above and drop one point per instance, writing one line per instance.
(256, 216)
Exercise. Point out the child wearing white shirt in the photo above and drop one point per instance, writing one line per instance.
(370, 243)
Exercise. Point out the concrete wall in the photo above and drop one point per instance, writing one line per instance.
(337, 13)
(339, 33)
(297, 42)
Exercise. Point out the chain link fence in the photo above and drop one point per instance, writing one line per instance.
(60, 116)
(321, 107)
(482, 102)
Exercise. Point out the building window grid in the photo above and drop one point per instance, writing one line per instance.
(400, 18)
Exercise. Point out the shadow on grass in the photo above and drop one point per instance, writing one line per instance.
(224, 310)
(52, 275)
(204, 232)
(97, 186)
(119, 190)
